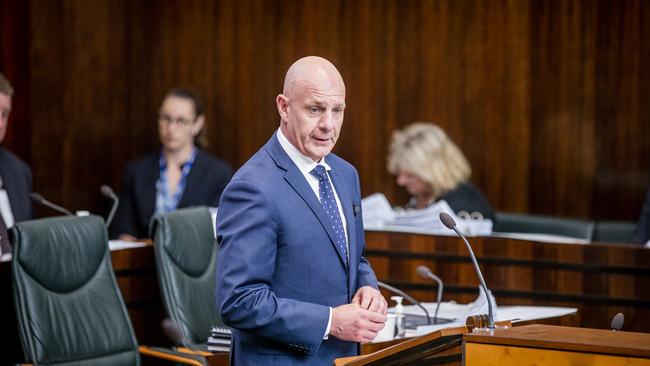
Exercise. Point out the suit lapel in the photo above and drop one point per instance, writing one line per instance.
(297, 181)
(193, 179)
(148, 193)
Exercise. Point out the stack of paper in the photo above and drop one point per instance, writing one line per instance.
(379, 215)
(219, 339)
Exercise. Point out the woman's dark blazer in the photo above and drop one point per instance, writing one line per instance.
(206, 181)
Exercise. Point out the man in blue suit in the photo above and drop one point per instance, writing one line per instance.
(291, 279)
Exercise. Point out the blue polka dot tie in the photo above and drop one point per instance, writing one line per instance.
(328, 201)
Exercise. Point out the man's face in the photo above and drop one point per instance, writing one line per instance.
(177, 123)
(312, 116)
(5, 109)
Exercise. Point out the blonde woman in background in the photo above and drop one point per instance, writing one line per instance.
(432, 168)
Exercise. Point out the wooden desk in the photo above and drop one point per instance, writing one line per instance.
(543, 345)
(598, 279)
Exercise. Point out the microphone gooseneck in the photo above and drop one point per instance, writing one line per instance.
(37, 197)
(449, 222)
(425, 272)
(108, 192)
(407, 297)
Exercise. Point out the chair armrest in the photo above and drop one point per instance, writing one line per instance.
(172, 355)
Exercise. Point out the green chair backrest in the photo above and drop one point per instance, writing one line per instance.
(614, 231)
(186, 260)
(69, 308)
(523, 223)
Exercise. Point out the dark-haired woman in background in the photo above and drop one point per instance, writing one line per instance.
(432, 168)
(179, 175)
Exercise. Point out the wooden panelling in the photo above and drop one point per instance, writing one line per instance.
(599, 280)
(547, 98)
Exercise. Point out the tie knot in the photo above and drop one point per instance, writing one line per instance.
(320, 172)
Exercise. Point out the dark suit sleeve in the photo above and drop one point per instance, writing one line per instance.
(28, 185)
(247, 232)
(125, 217)
(642, 232)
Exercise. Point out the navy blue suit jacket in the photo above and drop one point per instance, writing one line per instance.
(279, 270)
(17, 181)
(204, 185)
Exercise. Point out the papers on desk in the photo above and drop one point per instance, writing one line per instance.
(379, 215)
(120, 244)
(459, 312)
(213, 216)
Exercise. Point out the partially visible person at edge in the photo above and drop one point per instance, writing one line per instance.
(642, 232)
(432, 168)
(291, 278)
(180, 174)
(15, 175)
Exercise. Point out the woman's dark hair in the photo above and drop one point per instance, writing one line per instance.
(201, 139)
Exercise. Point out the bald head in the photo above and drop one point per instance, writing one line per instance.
(312, 106)
(312, 70)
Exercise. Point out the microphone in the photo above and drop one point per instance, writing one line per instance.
(175, 334)
(449, 222)
(425, 272)
(40, 199)
(617, 322)
(108, 192)
(406, 296)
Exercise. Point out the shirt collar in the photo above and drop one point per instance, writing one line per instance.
(163, 163)
(304, 163)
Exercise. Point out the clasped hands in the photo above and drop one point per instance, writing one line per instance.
(360, 320)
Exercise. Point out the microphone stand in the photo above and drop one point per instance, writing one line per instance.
(407, 297)
(449, 222)
(425, 272)
(108, 192)
(40, 199)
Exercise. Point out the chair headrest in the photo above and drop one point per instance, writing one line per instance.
(39, 242)
(187, 237)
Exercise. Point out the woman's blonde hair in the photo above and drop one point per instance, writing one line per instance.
(423, 149)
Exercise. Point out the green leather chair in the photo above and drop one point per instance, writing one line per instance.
(614, 231)
(186, 259)
(538, 224)
(69, 308)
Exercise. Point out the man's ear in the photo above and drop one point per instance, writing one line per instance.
(282, 103)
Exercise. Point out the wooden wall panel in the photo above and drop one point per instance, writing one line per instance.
(14, 64)
(548, 99)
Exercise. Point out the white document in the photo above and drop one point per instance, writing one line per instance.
(121, 244)
(377, 212)
(213, 215)
(379, 215)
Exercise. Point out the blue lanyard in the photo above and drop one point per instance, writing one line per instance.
(165, 202)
